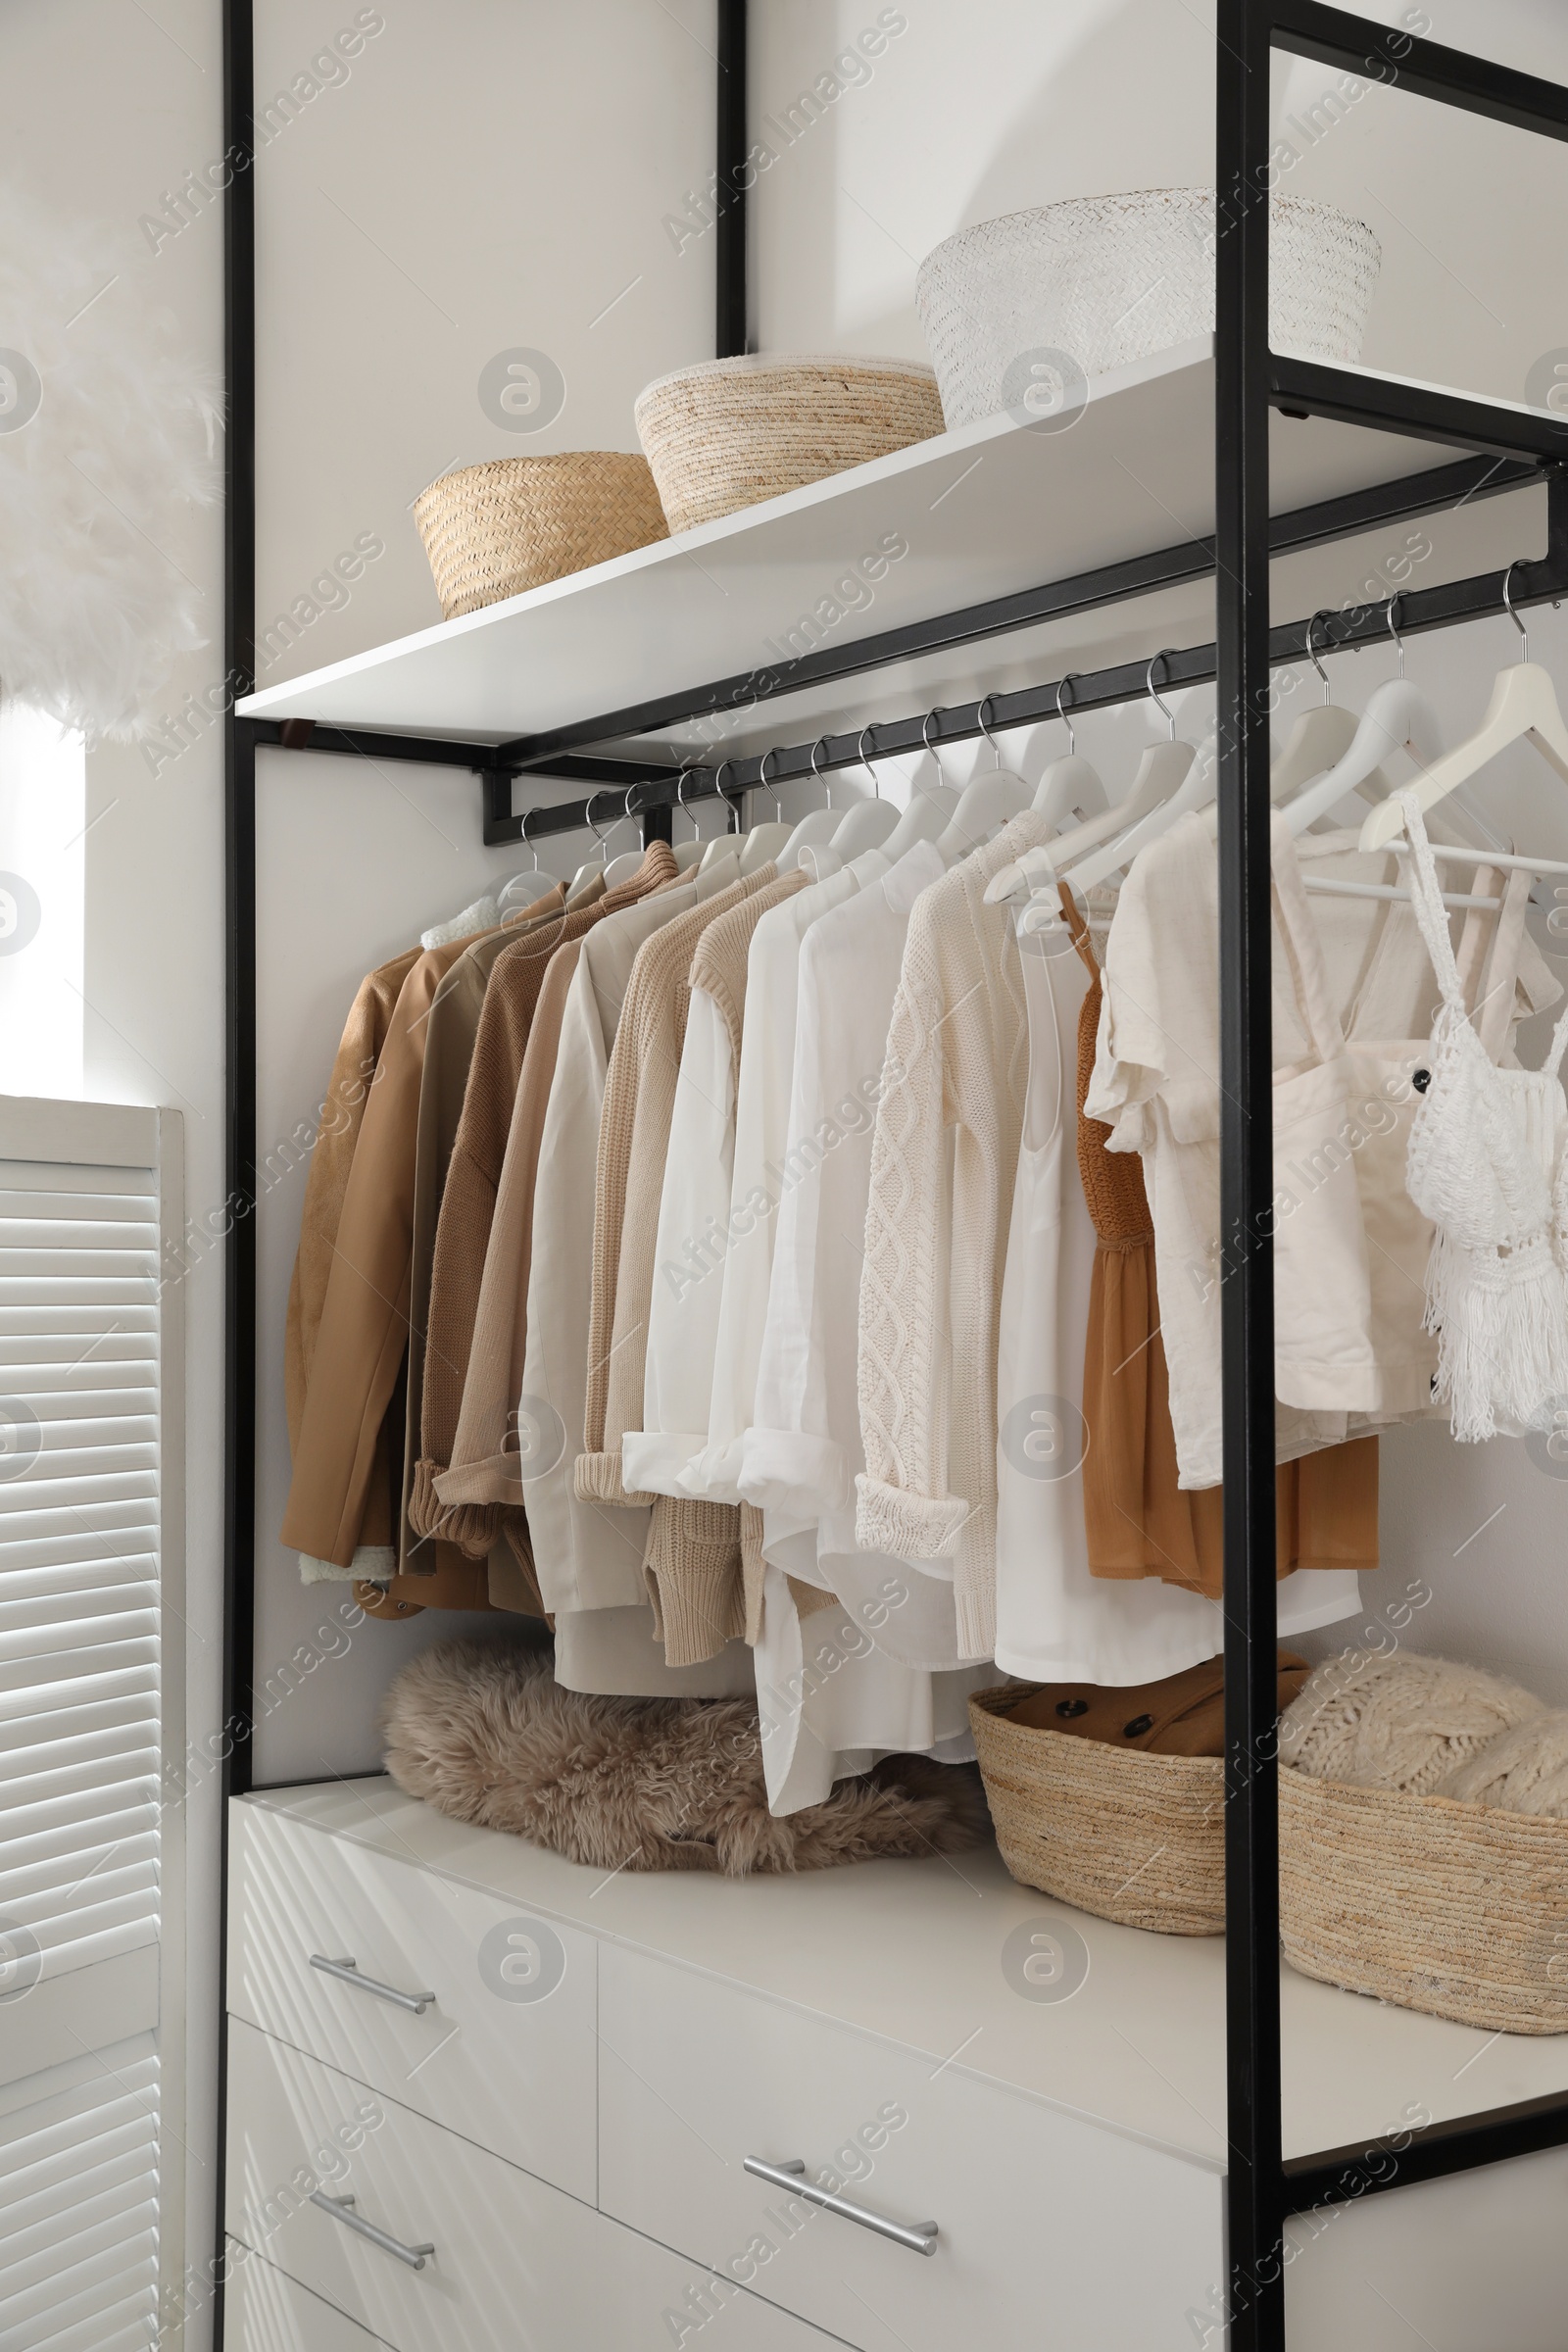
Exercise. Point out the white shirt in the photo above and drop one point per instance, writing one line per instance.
(586, 1555)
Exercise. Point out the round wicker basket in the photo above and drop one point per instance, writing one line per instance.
(1459, 1910)
(730, 433)
(1130, 1837)
(494, 530)
(1037, 303)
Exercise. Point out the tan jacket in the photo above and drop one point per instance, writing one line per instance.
(634, 1140)
(468, 1198)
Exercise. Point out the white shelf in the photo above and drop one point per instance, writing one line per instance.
(911, 1952)
(983, 513)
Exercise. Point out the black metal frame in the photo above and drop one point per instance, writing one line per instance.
(1515, 446)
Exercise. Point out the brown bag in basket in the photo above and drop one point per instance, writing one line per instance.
(1184, 1715)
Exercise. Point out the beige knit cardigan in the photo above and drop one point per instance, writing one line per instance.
(629, 1173)
(957, 1059)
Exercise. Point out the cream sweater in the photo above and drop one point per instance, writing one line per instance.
(931, 1283)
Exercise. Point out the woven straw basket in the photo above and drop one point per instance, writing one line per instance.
(1028, 307)
(494, 530)
(730, 433)
(1460, 1910)
(1130, 1837)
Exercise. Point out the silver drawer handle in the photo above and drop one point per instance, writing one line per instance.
(348, 1974)
(338, 2208)
(921, 2239)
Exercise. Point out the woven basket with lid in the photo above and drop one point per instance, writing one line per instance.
(1131, 1836)
(493, 530)
(730, 432)
(1457, 1909)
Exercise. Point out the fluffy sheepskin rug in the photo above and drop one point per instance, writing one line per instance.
(107, 436)
(485, 1732)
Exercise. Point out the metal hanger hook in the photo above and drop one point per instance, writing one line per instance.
(817, 772)
(680, 796)
(1155, 696)
(600, 833)
(1507, 606)
(734, 807)
(980, 713)
(1072, 733)
(866, 762)
(536, 867)
(1394, 630)
(1311, 653)
(761, 777)
(926, 743)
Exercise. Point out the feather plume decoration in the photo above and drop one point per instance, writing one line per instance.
(107, 438)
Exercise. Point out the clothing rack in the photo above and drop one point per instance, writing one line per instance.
(1508, 447)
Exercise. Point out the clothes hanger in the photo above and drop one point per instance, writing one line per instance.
(717, 844)
(1069, 787)
(986, 804)
(524, 888)
(1182, 780)
(622, 870)
(585, 872)
(1318, 741)
(930, 810)
(688, 854)
(869, 823)
(1156, 779)
(1524, 703)
(762, 842)
(819, 826)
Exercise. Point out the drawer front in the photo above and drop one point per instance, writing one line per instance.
(1477, 2259)
(517, 2266)
(506, 2053)
(266, 2311)
(1050, 2232)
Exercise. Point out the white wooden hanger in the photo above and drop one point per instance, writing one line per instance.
(1319, 739)
(819, 826)
(1155, 780)
(1524, 703)
(1070, 787)
(986, 804)
(760, 842)
(1172, 776)
(931, 809)
(601, 834)
(869, 823)
(524, 888)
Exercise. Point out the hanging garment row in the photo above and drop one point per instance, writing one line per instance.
(811, 1244)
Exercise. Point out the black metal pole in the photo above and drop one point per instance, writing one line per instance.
(732, 326)
(240, 1071)
(1254, 2197)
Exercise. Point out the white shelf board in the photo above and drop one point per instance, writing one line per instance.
(987, 512)
(911, 1951)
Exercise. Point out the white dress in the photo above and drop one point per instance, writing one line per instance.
(1056, 1621)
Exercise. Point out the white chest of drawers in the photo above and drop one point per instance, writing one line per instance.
(512, 2113)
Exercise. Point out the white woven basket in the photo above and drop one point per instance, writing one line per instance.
(1024, 310)
(727, 433)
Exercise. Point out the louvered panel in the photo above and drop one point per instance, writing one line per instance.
(81, 1761)
(78, 2214)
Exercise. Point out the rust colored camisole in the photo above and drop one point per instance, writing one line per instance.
(1140, 1521)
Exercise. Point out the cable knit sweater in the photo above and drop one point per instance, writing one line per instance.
(633, 1141)
(931, 1283)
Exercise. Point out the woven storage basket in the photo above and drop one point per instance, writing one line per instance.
(1023, 310)
(494, 530)
(730, 433)
(1460, 1910)
(1130, 1837)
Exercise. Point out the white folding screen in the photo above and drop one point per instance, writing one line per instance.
(91, 1724)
